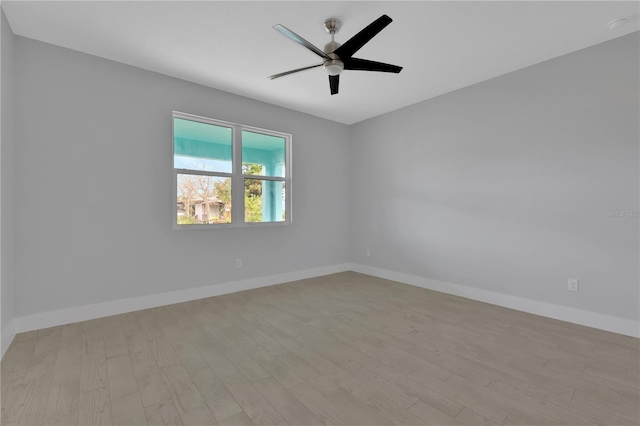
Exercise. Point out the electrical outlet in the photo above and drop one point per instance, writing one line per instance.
(238, 263)
(573, 285)
(367, 252)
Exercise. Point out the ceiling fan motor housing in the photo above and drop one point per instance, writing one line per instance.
(335, 65)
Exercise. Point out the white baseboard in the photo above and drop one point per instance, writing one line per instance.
(99, 310)
(619, 325)
(82, 313)
(8, 333)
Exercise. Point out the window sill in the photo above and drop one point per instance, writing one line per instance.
(177, 227)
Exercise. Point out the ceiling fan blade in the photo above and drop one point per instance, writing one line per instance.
(357, 41)
(334, 81)
(282, 74)
(295, 37)
(365, 65)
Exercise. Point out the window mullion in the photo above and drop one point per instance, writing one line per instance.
(202, 173)
(287, 182)
(237, 182)
(259, 177)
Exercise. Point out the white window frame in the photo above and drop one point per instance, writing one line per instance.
(237, 178)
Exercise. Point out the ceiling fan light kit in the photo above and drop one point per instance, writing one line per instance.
(334, 67)
(337, 57)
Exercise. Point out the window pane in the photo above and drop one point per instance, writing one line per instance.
(264, 200)
(202, 146)
(203, 199)
(263, 155)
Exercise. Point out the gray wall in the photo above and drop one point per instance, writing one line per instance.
(503, 185)
(93, 185)
(6, 176)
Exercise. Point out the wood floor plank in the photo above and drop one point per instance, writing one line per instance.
(277, 369)
(339, 349)
(595, 415)
(361, 412)
(18, 356)
(556, 394)
(13, 393)
(469, 417)
(128, 410)
(151, 383)
(45, 353)
(26, 403)
(390, 390)
(95, 407)
(308, 373)
(215, 394)
(619, 376)
(233, 335)
(630, 413)
(170, 327)
(456, 389)
(353, 384)
(27, 336)
(190, 357)
(93, 369)
(265, 341)
(183, 391)
(320, 406)
(259, 410)
(431, 415)
(63, 405)
(163, 413)
(114, 342)
(286, 404)
(200, 416)
(518, 402)
(64, 394)
(293, 345)
(243, 362)
(240, 419)
(217, 360)
(136, 338)
(163, 352)
(121, 377)
(396, 414)
(413, 386)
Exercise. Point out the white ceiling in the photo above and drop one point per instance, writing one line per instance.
(232, 46)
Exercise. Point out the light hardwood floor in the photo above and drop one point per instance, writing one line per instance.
(340, 349)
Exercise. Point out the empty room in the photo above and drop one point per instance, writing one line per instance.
(320, 213)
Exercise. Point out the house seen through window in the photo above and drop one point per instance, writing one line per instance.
(229, 174)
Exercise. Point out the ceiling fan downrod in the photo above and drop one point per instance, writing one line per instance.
(333, 66)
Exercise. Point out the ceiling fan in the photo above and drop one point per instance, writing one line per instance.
(337, 57)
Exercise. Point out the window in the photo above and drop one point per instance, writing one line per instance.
(228, 174)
